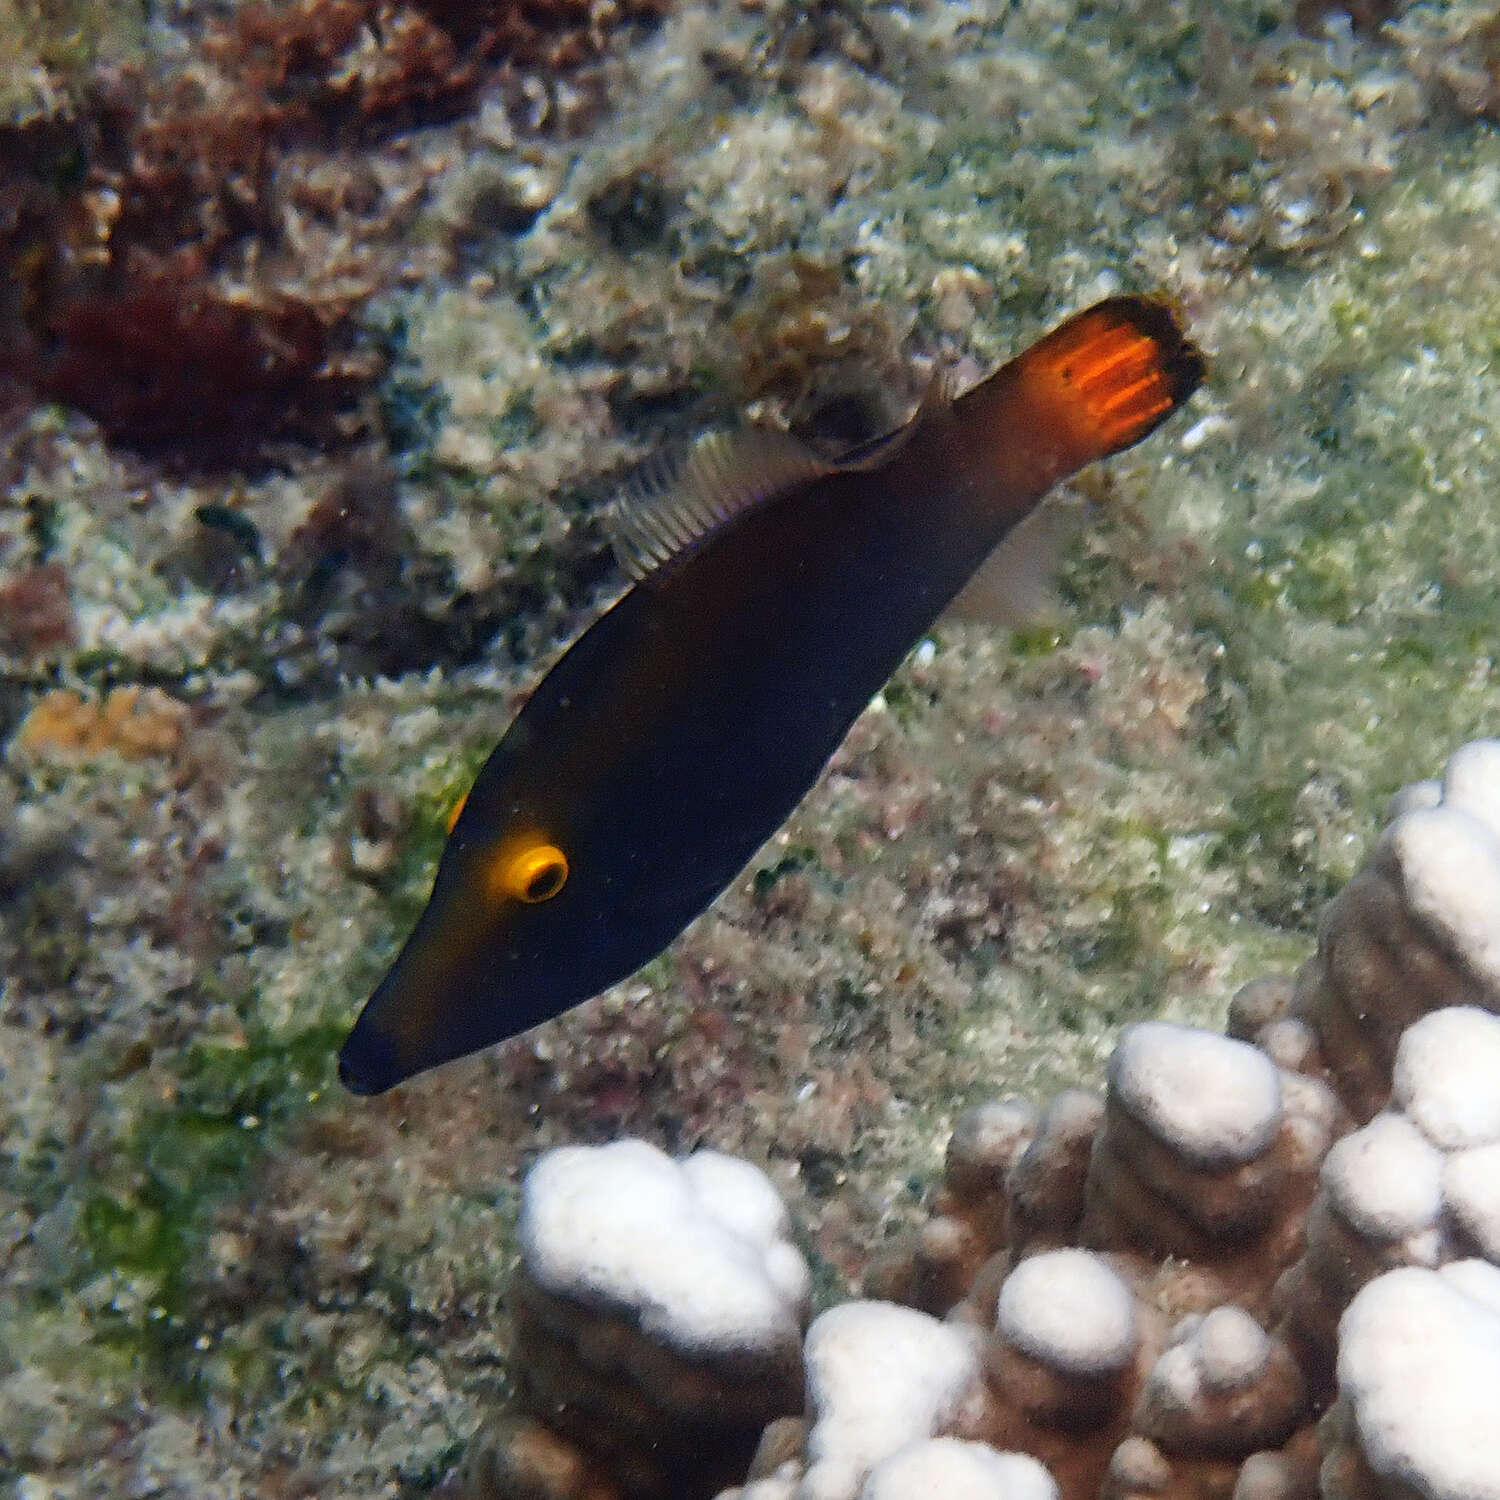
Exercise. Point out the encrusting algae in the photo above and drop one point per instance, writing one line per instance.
(776, 592)
(129, 721)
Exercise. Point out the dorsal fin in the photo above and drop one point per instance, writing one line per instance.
(672, 504)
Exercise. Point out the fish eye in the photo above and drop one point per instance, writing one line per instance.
(533, 874)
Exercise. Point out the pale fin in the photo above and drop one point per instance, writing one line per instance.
(672, 504)
(1012, 587)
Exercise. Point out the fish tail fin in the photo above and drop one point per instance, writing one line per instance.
(1115, 371)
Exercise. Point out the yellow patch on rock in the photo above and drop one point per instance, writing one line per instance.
(130, 721)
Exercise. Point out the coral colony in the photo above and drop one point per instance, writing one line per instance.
(1266, 1265)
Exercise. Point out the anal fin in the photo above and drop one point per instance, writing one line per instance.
(1012, 587)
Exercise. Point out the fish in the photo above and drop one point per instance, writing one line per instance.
(773, 592)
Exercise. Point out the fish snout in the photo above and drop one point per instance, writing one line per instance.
(368, 1061)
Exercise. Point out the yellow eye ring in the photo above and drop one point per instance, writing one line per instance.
(535, 874)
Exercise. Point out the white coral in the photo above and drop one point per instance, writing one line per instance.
(879, 1377)
(695, 1250)
(1419, 1365)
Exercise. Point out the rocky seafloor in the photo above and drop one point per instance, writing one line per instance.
(450, 277)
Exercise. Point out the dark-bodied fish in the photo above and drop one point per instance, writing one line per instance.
(775, 592)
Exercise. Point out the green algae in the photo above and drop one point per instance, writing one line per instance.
(1040, 639)
(441, 790)
(136, 1229)
(232, 1098)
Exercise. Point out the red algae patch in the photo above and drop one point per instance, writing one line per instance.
(164, 269)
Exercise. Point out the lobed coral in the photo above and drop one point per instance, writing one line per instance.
(1416, 921)
(1160, 1297)
(1419, 1368)
(1412, 1187)
(659, 1312)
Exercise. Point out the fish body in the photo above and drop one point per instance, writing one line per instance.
(682, 728)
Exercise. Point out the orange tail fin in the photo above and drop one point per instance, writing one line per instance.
(1114, 372)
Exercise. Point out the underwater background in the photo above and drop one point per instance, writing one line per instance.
(330, 325)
